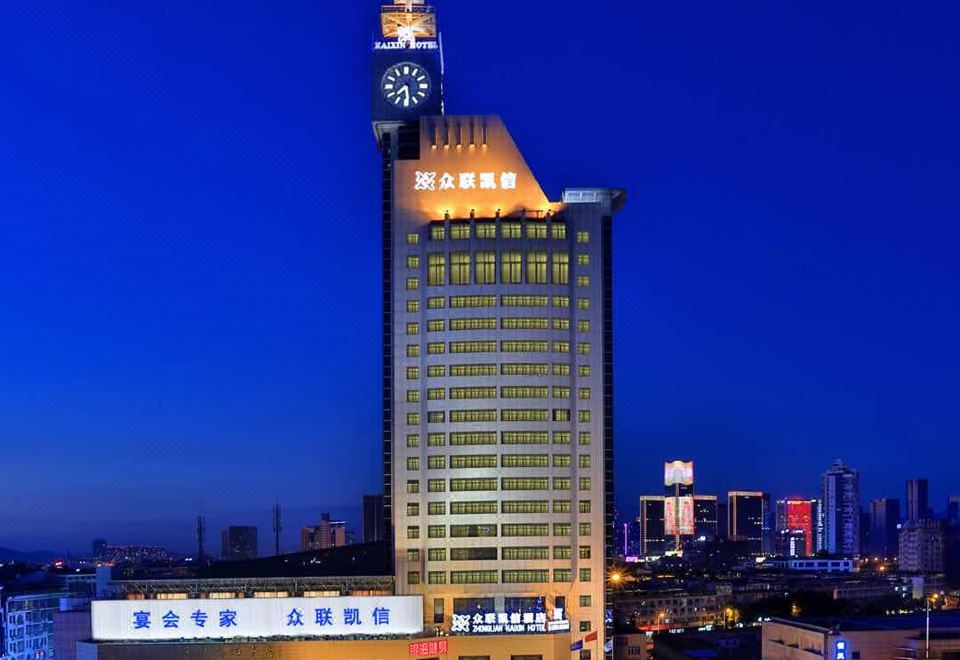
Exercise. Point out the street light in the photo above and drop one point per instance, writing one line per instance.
(930, 599)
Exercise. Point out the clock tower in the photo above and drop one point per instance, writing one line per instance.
(407, 65)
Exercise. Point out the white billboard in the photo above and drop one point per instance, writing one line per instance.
(165, 620)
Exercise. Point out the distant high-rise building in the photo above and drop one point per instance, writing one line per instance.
(239, 543)
(884, 528)
(922, 547)
(99, 545)
(678, 504)
(705, 517)
(328, 534)
(918, 500)
(953, 508)
(653, 540)
(840, 487)
(799, 516)
(746, 516)
(374, 525)
(631, 539)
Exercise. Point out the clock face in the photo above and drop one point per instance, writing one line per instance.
(406, 85)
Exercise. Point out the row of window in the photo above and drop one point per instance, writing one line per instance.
(523, 553)
(506, 415)
(481, 268)
(481, 461)
(506, 369)
(511, 323)
(513, 346)
(524, 576)
(480, 438)
(460, 231)
(474, 302)
(507, 530)
(493, 507)
(506, 392)
(491, 484)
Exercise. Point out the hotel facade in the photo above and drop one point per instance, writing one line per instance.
(497, 360)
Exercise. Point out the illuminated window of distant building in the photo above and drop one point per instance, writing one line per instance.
(583, 280)
(583, 393)
(561, 369)
(561, 302)
(561, 324)
(583, 259)
(561, 268)
(436, 269)
(413, 509)
(413, 328)
(413, 419)
(561, 437)
(511, 268)
(437, 554)
(460, 268)
(526, 461)
(413, 396)
(413, 373)
(473, 347)
(436, 531)
(472, 416)
(583, 237)
(436, 486)
(561, 392)
(473, 301)
(536, 268)
(523, 437)
(562, 575)
(486, 268)
(473, 577)
(526, 576)
(438, 232)
(584, 626)
(583, 416)
(413, 440)
(561, 415)
(436, 325)
(523, 415)
(413, 577)
(583, 326)
(413, 306)
(473, 370)
(525, 529)
(559, 230)
(413, 350)
(584, 437)
(523, 301)
(525, 506)
(413, 532)
(436, 439)
(413, 555)
(437, 302)
(561, 347)
(561, 460)
(561, 506)
(413, 283)
(437, 509)
(436, 371)
(460, 231)
(413, 463)
(562, 552)
(486, 230)
(583, 348)
(585, 483)
(413, 261)
(585, 506)
(583, 304)
(583, 370)
(472, 508)
(586, 601)
(436, 394)
(436, 416)
(511, 230)
(437, 577)
(436, 462)
(436, 348)
(561, 483)
(413, 487)
(536, 230)
(561, 529)
(413, 238)
(585, 529)
(586, 575)
(473, 461)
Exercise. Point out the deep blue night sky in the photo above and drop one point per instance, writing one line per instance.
(188, 187)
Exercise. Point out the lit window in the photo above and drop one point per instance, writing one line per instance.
(413, 577)
(474, 438)
(561, 506)
(413, 396)
(413, 283)
(561, 460)
(436, 485)
(413, 350)
(486, 268)
(561, 437)
(436, 416)
(585, 461)
(436, 394)
(561, 268)
(413, 555)
(561, 347)
(413, 419)
(436, 531)
(524, 415)
(536, 268)
(413, 509)
(460, 231)
(413, 463)
(584, 438)
(511, 264)
(413, 440)
(583, 237)
(436, 577)
(437, 232)
(413, 373)
(583, 416)
(436, 509)
(583, 370)
(413, 306)
(584, 483)
(584, 626)
(460, 268)
(438, 302)
(473, 462)
(511, 230)
(561, 529)
(561, 483)
(561, 369)
(585, 575)
(526, 576)
(561, 301)
(583, 326)
(523, 437)
(583, 280)
(413, 487)
(583, 393)
(585, 506)
(583, 348)
(436, 462)
(523, 301)
(436, 371)
(559, 230)
(413, 261)
(561, 414)
(486, 230)
(561, 392)
(536, 230)
(561, 324)
(562, 552)
(525, 461)
(473, 301)
(583, 304)
(413, 239)
(436, 439)
(526, 506)
(436, 348)
(413, 328)
(473, 370)
(583, 259)
(413, 532)
(436, 269)
(562, 575)
(585, 601)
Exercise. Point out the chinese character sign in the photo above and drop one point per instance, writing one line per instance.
(440, 181)
(157, 620)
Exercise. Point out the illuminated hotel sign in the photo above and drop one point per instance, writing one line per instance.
(428, 181)
(429, 649)
(501, 623)
(162, 620)
(417, 44)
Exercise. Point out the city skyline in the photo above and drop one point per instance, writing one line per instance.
(170, 324)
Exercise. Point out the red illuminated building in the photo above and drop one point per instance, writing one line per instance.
(799, 516)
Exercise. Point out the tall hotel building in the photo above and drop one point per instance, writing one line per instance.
(497, 357)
